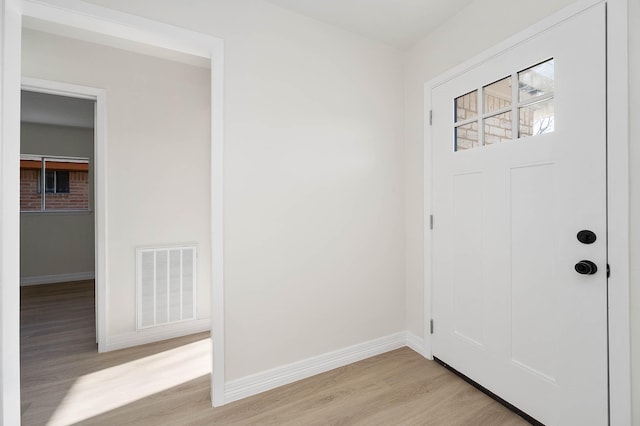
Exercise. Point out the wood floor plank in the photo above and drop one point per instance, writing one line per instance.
(65, 381)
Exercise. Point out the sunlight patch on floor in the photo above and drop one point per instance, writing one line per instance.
(113, 387)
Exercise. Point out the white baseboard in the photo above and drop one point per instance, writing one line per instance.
(416, 343)
(155, 334)
(58, 278)
(279, 376)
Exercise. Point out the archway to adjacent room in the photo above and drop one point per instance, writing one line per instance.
(78, 16)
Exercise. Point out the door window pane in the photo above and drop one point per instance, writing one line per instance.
(497, 95)
(466, 136)
(466, 106)
(537, 118)
(497, 128)
(537, 81)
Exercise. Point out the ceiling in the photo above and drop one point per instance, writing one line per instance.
(399, 23)
(58, 110)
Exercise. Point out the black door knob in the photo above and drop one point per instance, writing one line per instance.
(586, 267)
(586, 237)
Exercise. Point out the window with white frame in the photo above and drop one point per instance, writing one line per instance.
(514, 107)
(65, 181)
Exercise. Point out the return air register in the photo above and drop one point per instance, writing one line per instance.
(166, 285)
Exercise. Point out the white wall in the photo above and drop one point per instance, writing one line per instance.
(314, 195)
(58, 243)
(157, 165)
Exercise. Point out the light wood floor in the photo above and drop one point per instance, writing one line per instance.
(65, 381)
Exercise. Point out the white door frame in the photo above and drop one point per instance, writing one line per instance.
(76, 14)
(617, 191)
(99, 187)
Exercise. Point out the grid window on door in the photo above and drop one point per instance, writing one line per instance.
(499, 112)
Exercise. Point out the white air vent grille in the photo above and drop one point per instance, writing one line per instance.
(166, 285)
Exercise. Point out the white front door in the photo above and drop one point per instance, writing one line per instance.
(519, 169)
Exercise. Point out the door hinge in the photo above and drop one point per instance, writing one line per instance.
(431, 326)
(430, 221)
(430, 117)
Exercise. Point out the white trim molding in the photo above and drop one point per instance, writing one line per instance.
(58, 278)
(156, 334)
(110, 22)
(10, 42)
(618, 214)
(416, 344)
(217, 225)
(99, 190)
(619, 338)
(280, 376)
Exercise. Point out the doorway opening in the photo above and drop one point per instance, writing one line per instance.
(58, 252)
(57, 207)
(137, 33)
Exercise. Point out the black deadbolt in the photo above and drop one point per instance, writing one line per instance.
(586, 267)
(586, 237)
